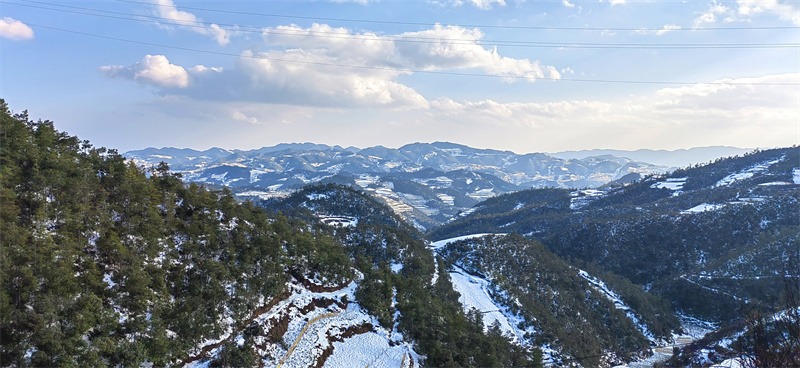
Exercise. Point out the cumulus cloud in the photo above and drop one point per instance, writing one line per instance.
(13, 29)
(311, 77)
(438, 48)
(152, 69)
(334, 67)
(167, 10)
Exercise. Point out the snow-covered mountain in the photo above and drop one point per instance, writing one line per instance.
(674, 158)
(718, 241)
(428, 183)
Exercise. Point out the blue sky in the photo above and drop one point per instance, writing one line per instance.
(527, 76)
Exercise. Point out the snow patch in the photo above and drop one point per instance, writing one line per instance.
(474, 292)
(703, 207)
(673, 184)
(747, 173)
(601, 287)
(441, 243)
(338, 221)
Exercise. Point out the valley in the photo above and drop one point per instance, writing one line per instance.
(429, 255)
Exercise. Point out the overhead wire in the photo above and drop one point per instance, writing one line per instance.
(385, 68)
(402, 38)
(400, 70)
(356, 20)
(396, 69)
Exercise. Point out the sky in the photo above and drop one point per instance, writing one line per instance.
(525, 76)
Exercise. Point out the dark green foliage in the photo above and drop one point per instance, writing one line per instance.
(567, 311)
(714, 265)
(652, 310)
(430, 314)
(105, 266)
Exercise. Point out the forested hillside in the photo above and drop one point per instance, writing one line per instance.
(103, 265)
(399, 279)
(591, 321)
(106, 265)
(712, 239)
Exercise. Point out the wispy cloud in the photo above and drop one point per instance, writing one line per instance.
(167, 10)
(697, 114)
(746, 10)
(667, 28)
(13, 29)
(784, 11)
(480, 4)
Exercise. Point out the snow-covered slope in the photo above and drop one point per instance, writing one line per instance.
(312, 325)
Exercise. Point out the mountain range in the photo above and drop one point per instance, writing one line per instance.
(670, 158)
(429, 183)
(106, 263)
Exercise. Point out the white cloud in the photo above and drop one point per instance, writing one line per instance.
(614, 2)
(784, 11)
(438, 48)
(167, 10)
(480, 4)
(660, 32)
(152, 69)
(568, 4)
(729, 111)
(13, 29)
(746, 10)
(311, 78)
(240, 116)
(742, 112)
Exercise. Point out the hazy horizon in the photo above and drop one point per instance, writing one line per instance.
(511, 75)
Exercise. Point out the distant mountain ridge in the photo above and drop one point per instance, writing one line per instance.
(671, 158)
(428, 183)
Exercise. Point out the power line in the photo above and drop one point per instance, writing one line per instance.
(399, 70)
(357, 20)
(335, 35)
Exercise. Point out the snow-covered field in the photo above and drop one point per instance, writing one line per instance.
(474, 292)
(581, 198)
(673, 184)
(748, 173)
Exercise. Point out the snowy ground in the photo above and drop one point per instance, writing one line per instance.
(440, 243)
(703, 207)
(600, 286)
(474, 292)
(369, 350)
(673, 184)
(747, 173)
(338, 221)
(581, 198)
(316, 322)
